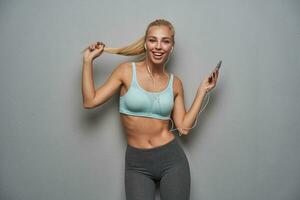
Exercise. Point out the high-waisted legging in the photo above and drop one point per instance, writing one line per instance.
(166, 164)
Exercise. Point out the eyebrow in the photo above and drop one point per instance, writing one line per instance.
(162, 38)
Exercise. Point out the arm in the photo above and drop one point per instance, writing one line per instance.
(183, 119)
(93, 98)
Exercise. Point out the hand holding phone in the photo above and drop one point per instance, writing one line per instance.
(216, 69)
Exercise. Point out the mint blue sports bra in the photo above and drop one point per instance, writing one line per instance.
(139, 102)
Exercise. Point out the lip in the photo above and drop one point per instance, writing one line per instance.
(158, 52)
(158, 55)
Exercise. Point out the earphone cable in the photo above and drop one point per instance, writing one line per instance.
(157, 98)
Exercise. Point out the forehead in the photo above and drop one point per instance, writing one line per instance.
(159, 31)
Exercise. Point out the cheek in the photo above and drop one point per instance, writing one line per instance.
(167, 47)
(151, 46)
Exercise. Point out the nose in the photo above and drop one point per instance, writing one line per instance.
(157, 45)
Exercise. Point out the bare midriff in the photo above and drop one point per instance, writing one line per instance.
(146, 132)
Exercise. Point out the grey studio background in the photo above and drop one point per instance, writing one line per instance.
(245, 145)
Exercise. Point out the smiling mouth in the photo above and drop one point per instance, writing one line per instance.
(157, 55)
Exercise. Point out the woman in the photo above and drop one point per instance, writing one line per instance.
(149, 97)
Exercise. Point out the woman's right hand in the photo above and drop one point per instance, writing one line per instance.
(93, 51)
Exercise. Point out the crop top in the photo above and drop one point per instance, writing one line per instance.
(140, 102)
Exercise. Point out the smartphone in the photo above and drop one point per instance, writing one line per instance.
(219, 65)
(216, 68)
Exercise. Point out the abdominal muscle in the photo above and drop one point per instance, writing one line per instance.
(145, 132)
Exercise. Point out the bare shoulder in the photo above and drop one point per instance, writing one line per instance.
(177, 84)
(123, 67)
(123, 70)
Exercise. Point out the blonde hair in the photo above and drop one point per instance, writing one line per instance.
(137, 47)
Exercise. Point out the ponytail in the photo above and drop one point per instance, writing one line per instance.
(135, 48)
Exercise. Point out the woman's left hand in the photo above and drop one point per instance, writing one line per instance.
(209, 82)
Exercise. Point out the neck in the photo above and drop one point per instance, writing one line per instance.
(155, 69)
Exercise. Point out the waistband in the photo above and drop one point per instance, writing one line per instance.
(164, 146)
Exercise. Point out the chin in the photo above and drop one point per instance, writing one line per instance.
(158, 61)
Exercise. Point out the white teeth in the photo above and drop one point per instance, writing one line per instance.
(157, 54)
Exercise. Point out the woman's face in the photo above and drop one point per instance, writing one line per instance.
(159, 43)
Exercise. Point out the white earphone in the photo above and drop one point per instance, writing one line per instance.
(172, 49)
(173, 129)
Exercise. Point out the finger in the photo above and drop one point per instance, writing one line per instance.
(98, 44)
(214, 77)
(92, 47)
(101, 46)
(215, 81)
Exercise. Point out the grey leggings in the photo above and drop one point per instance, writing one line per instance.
(166, 165)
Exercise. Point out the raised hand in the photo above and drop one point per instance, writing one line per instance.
(209, 82)
(93, 51)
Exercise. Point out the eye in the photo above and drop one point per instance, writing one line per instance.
(151, 40)
(167, 41)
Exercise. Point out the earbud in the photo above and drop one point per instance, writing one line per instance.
(172, 49)
(145, 46)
